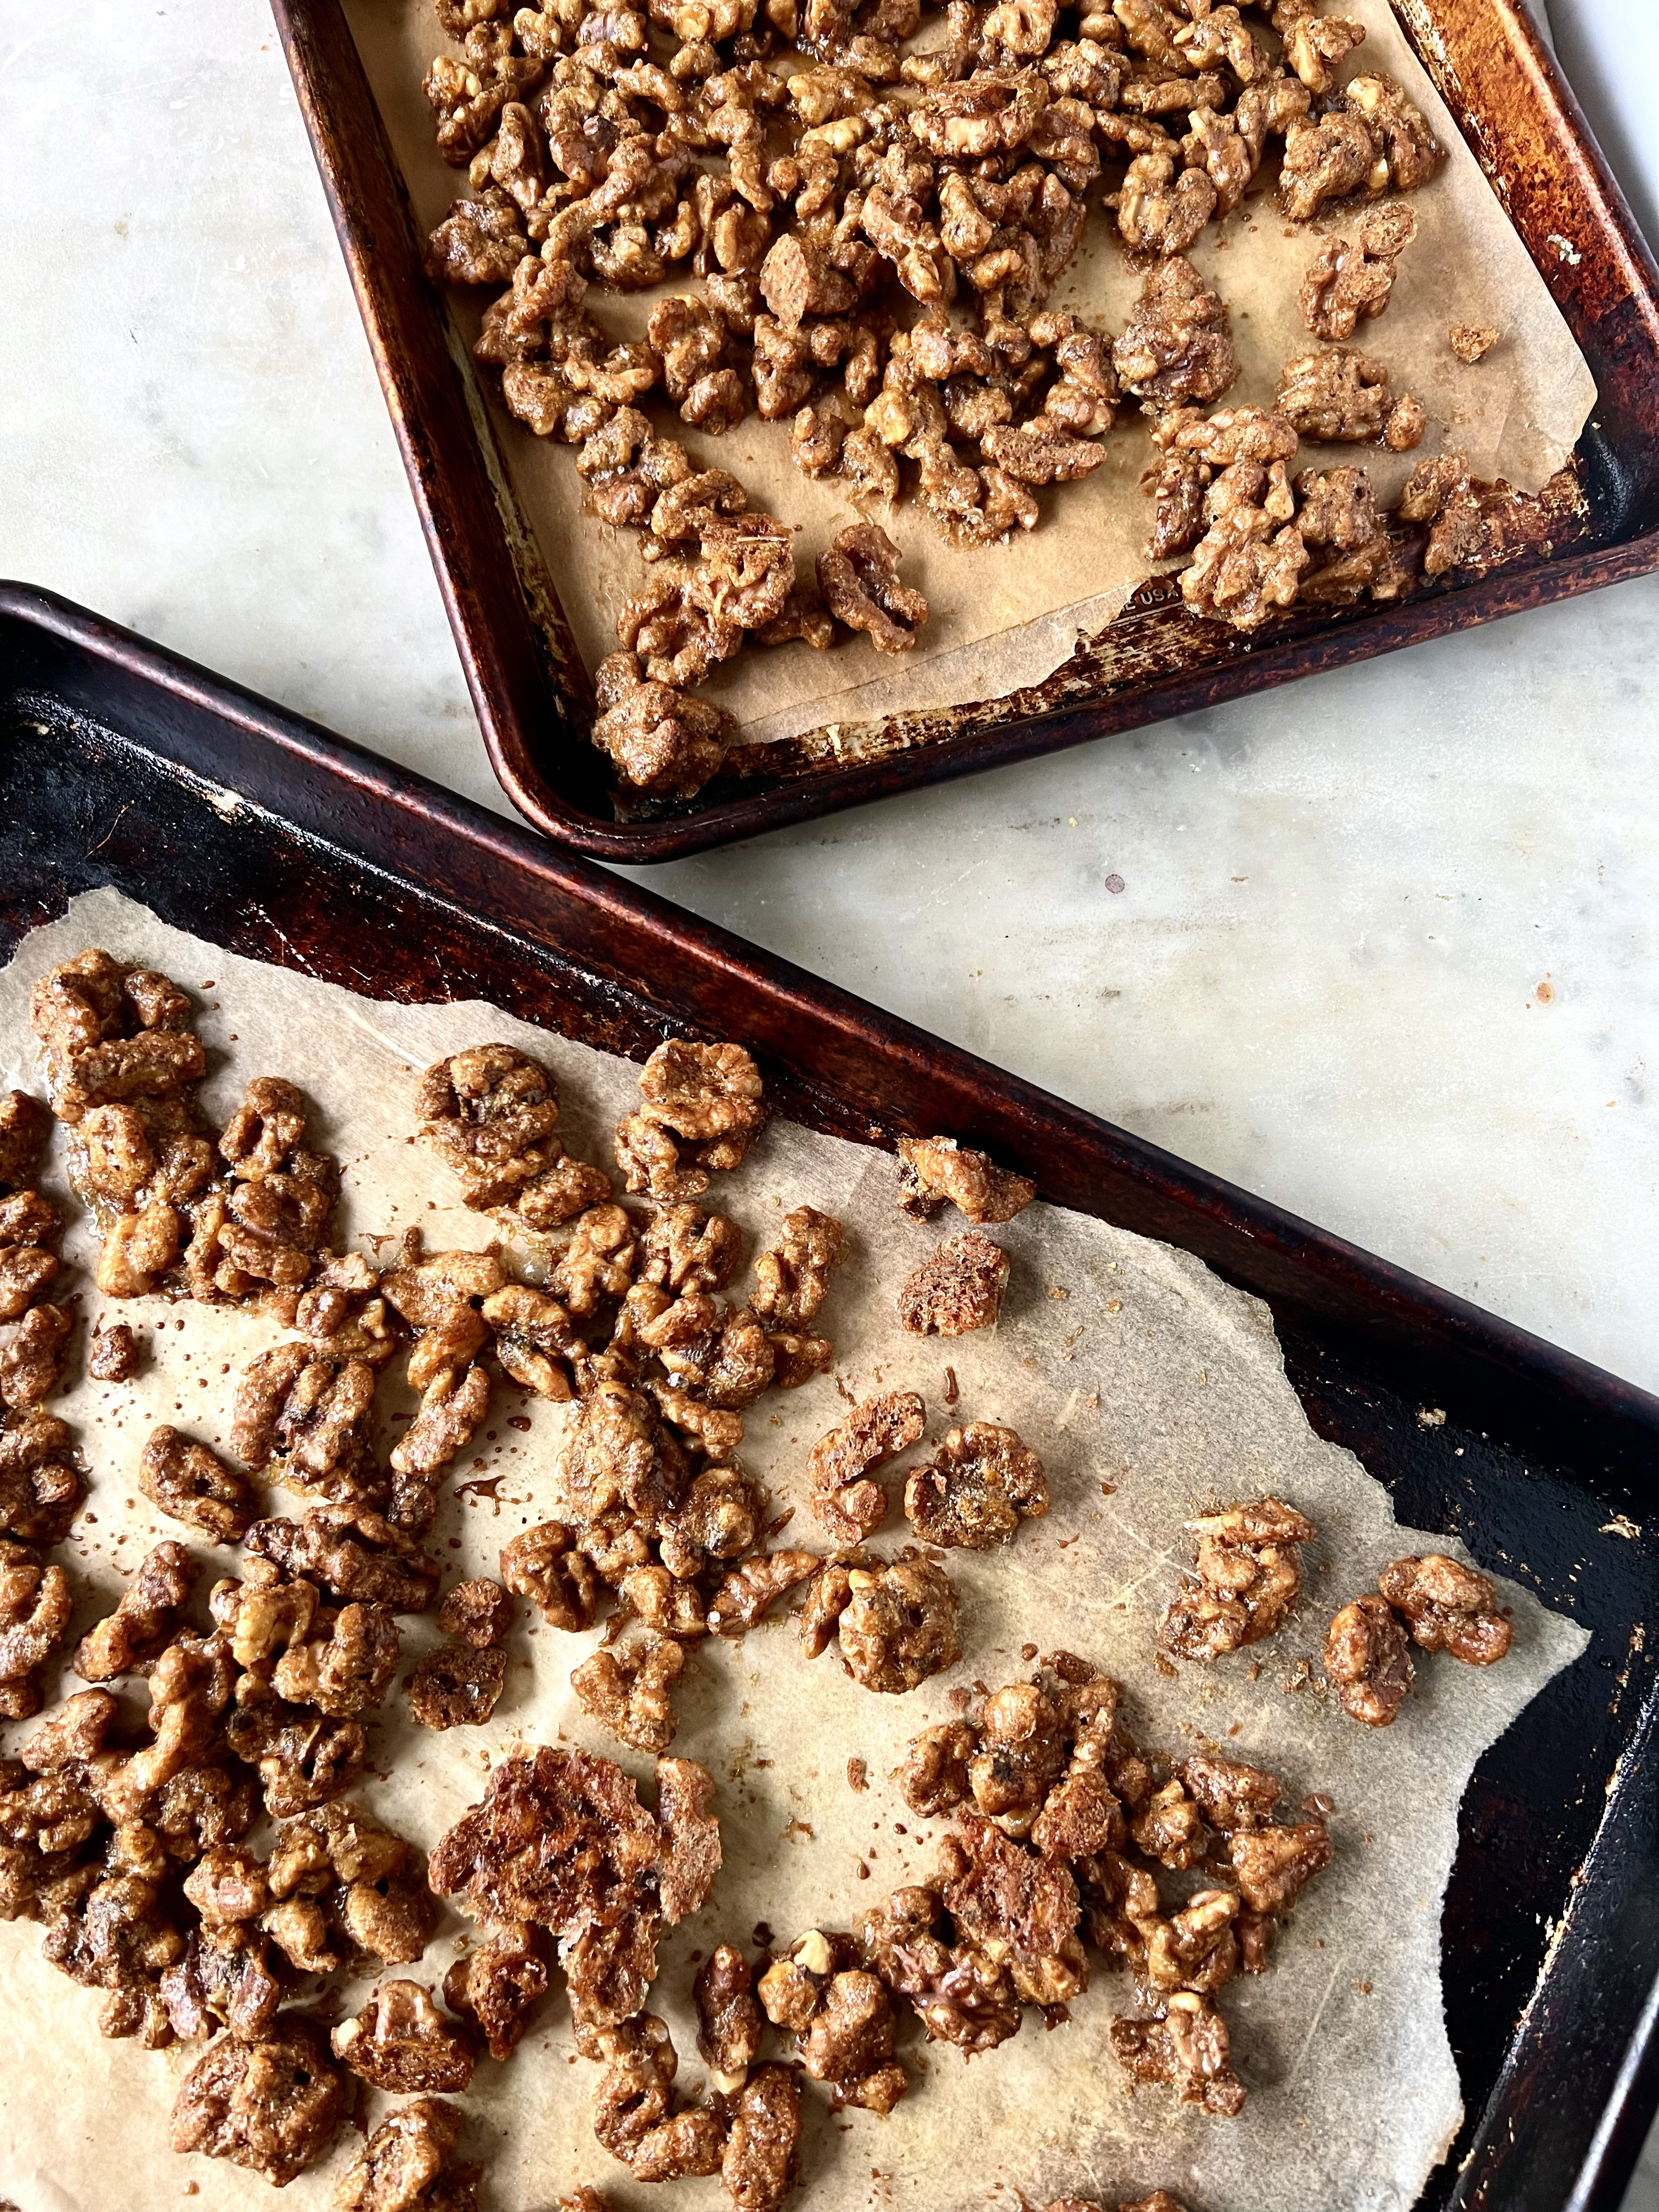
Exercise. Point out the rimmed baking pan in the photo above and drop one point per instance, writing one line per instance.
(121, 764)
(502, 588)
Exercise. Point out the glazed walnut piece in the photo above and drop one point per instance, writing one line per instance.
(273, 2105)
(1188, 2048)
(407, 2164)
(1249, 1577)
(401, 2043)
(1175, 350)
(1471, 342)
(982, 1484)
(858, 577)
(1347, 281)
(457, 1684)
(792, 1278)
(491, 1113)
(354, 1552)
(305, 1420)
(701, 1110)
(39, 1485)
(664, 742)
(143, 1623)
(1273, 1864)
(937, 1171)
(760, 2168)
(112, 1033)
(898, 1625)
(344, 1885)
(25, 1125)
(32, 1359)
(1448, 1606)
(478, 1611)
(843, 1499)
(35, 1605)
(1365, 1655)
(193, 1485)
(498, 1984)
(959, 1289)
(544, 1566)
(628, 1689)
(729, 2017)
(562, 1841)
(1343, 397)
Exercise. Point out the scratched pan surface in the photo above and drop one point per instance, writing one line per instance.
(122, 765)
(502, 589)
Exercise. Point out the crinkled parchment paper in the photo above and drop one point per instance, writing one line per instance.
(1006, 616)
(1146, 1387)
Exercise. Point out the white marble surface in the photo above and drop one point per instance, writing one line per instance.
(1385, 945)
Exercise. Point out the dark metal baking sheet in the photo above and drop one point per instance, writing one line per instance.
(501, 589)
(121, 764)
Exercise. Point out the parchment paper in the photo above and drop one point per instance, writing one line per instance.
(1006, 616)
(1147, 1386)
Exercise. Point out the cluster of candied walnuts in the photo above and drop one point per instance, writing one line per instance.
(876, 222)
(199, 1863)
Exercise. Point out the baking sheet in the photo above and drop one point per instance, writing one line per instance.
(1147, 1385)
(1004, 617)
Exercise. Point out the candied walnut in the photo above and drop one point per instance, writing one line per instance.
(1248, 1576)
(628, 1689)
(263, 1615)
(751, 1590)
(544, 1566)
(467, 96)
(224, 1980)
(1326, 160)
(792, 1278)
(849, 2043)
(729, 2018)
(597, 1263)
(722, 1356)
(1315, 46)
(1472, 341)
(706, 1100)
(39, 1489)
(1346, 281)
(35, 1605)
(1245, 569)
(1021, 1755)
(25, 1125)
(498, 1985)
(1406, 426)
(120, 1939)
(959, 1289)
(1196, 1948)
(110, 1033)
(454, 1399)
(1021, 1909)
(1159, 211)
(1171, 1829)
(615, 1454)
(31, 1361)
(406, 2164)
(858, 576)
(845, 1500)
(490, 1114)
(457, 1684)
(1448, 1606)
(1176, 349)
(1189, 2048)
(354, 1552)
(664, 743)
(937, 1171)
(193, 1485)
(560, 1839)
(898, 1625)
(982, 1483)
(932, 1777)
(479, 241)
(227, 1885)
(479, 1611)
(145, 1620)
(1231, 1795)
(1366, 1657)
(303, 1758)
(273, 2105)
(1040, 453)
(400, 2042)
(1273, 1864)
(1407, 151)
(759, 2167)
(1234, 434)
(304, 1419)
(114, 1352)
